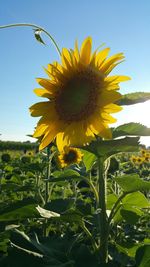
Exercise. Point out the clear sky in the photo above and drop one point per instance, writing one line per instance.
(123, 25)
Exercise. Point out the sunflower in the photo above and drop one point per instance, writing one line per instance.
(81, 97)
(133, 159)
(69, 156)
(139, 160)
(147, 157)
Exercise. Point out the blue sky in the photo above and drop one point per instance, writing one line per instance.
(124, 26)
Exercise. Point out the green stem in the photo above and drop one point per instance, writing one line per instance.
(89, 235)
(89, 181)
(36, 27)
(48, 175)
(102, 215)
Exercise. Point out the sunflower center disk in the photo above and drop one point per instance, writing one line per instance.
(70, 157)
(77, 98)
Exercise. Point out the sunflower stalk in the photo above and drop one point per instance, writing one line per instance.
(103, 222)
(47, 187)
(36, 28)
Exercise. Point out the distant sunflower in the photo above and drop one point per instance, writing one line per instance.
(69, 156)
(133, 159)
(143, 152)
(147, 157)
(80, 95)
(139, 160)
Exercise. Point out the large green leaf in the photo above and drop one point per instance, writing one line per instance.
(20, 210)
(128, 248)
(134, 98)
(132, 129)
(131, 215)
(65, 175)
(111, 200)
(143, 256)
(88, 159)
(136, 199)
(132, 183)
(60, 205)
(106, 148)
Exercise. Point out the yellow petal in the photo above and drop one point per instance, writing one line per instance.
(47, 84)
(101, 56)
(43, 93)
(117, 79)
(50, 134)
(76, 134)
(76, 51)
(112, 108)
(85, 53)
(110, 62)
(40, 108)
(66, 58)
(106, 97)
(107, 118)
(40, 130)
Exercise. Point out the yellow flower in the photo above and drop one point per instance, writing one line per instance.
(30, 153)
(143, 152)
(133, 159)
(69, 156)
(139, 160)
(80, 95)
(147, 157)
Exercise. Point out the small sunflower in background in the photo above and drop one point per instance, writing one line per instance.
(81, 96)
(30, 153)
(69, 156)
(143, 152)
(139, 160)
(133, 159)
(147, 158)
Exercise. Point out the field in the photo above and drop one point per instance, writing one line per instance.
(49, 214)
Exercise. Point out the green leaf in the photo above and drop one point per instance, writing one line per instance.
(128, 248)
(132, 183)
(111, 200)
(103, 148)
(131, 215)
(143, 256)
(59, 205)
(136, 199)
(20, 210)
(132, 129)
(88, 159)
(37, 34)
(134, 98)
(66, 175)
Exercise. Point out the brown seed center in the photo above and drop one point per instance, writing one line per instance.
(77, 97)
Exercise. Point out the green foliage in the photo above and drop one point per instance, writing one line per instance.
(111, 147)
(134, 98)
(5, 157)
(132, 183)
(143, 256)
(63, 230)
(132, 129)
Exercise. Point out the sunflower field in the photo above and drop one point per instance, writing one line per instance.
(79, 196)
